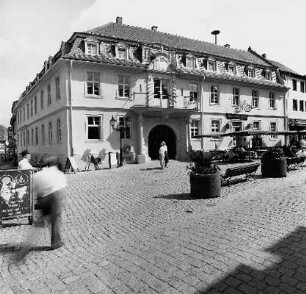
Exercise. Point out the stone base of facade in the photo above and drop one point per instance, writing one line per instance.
(142, 158)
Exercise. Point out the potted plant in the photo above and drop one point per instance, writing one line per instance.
(205, 179)
(274, 163)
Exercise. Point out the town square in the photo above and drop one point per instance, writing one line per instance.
(152, 147)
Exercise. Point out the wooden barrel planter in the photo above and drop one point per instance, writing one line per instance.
(205, 185)
(274, 168)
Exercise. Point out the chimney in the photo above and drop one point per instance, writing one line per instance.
(154, 28)
(227, 46)
(119, 20)
(216, 32)
(264, 55)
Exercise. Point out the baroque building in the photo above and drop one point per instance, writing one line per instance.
(157, 86)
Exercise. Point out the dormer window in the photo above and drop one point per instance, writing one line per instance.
(211, 64)
(190, 61)
(122, 51)
(251, 72)
(91, 47)
(231, 69)
(268, 75)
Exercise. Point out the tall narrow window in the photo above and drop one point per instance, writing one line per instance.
(190, 61)
(93, 83)
(255, 99)
(124, 86)
(127, 131)
(31, 107)
(57, 88)
(272, 103)
(194, 128)
(35, 104)
(193, 90)
(214, 96)
(94, 127)
(42, 99)
(235, 97)
(58, 130)
(302, 86)
(256, 125)
(294, 85)
(161, 88)
(49, 95)
(273, 128)
(211, 64)
(43, 136)
(301, 105)
(36, 136)
(294, 105)
(215, 126)
(28, 111)
(32, 137)
(50, 135)
(92, 49)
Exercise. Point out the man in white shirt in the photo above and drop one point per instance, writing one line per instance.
(24, 163)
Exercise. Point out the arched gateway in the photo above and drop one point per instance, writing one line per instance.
(158, 134)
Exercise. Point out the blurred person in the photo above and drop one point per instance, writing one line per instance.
(163, 155)
(301, 152)
(24, 163)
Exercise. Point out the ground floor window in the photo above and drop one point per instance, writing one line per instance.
(215, 126)
(93, 127)
(194, 128)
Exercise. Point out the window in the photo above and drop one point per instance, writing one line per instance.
(235, 101)
(214, 96)
(193, 90)
(93, 127)
(32, 137)
(302, 87)
(24, 113)
(294, 85)
(93, 83)
(255, 99)
(124, 86)
(42, 99)
(28, 111)
(58, 130)
(35, 104)
(121, 51)
(272, 103)
(161, 89)
(49, 95)
(294, 105)
(231, 69)
(126, 134)
(36, 136)
(251, 72)
(31, 107)
(28, 137)
(43, 137)
(194, 128)
(50, 137)
(211, 65)
(268, 75)
(92, 49)
(301, 105)
(190, 61)
(146, 54)
(273, 129)
(215, 126)
(57, 88)
(256, 125)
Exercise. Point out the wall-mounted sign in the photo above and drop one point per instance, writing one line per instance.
(243, 107)
(236, 116)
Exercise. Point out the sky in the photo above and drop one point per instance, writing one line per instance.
(32, 30)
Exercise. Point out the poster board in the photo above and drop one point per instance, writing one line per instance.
(71, 164)
(16, 194)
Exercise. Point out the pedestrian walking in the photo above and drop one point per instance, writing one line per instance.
(163, 155)
(24, 163)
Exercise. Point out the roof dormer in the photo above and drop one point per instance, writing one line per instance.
(121, 50)
(190, 60)
(91, 46)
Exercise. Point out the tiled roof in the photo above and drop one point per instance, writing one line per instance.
(146, 36)
(284, 68)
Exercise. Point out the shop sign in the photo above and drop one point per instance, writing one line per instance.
(236, 116)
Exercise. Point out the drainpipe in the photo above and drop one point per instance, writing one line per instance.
(202, 112)
(71, 152)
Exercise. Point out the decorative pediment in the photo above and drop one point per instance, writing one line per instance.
(161, 63)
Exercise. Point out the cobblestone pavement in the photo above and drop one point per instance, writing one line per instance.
(135, 229)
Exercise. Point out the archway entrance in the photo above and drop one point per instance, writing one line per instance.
(158, 134)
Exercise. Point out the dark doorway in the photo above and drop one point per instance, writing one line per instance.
(158, 134)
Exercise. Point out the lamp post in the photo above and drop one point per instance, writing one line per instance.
(121, 129)
(6, 143)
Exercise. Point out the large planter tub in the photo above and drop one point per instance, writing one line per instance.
(274, 168)
(205, 186)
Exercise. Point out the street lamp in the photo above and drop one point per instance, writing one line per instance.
(121, 129)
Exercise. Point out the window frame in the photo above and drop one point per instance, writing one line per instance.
(42, 99)
(58, 130)
(94, 83)
(89, 46)
(50, 132)
(49, 99)
(235, 97)
(124, 86)
(194, 127)
(164, 84)
(190, 61)
(274, 137)
(57, 88)
(301, 106)
(272, 99)
(193, 94)
(302, 86)
(93, 125)
(217, 128)
(43, 134)
(294, 105)
(126, 134)
(255, 98)
(294, 85)
(214, 95)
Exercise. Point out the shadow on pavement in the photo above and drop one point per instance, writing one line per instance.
(6, 248)
(150, 168)
(284, 271)
(183, 196)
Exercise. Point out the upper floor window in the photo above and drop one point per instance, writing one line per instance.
(294, 105)
(36, 135)
(301, 105)
(126, 134)
(28, 111)
(255, 99)
(231, 68)
(92, 49)
(94, 127)
(194, 128)
(193, 90)
(161, 88)
(50, 134)
(122, 51)
(43, 136)
(302, 87)
(211, 65)
(32, 137)
(31, 107)
(93, 83)
(42, 99)
(124, 86)
(294, 85)
(146, 54)
(273, 128)
(57, 88)
(35, 104)
(190, 61)
(58, 130)
(251, 72)
(214, 95)
(268, 75)
(235, 101)
(272, 102)
(49, 95)
(215, 126)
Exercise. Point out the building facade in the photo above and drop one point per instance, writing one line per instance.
(157, 86)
